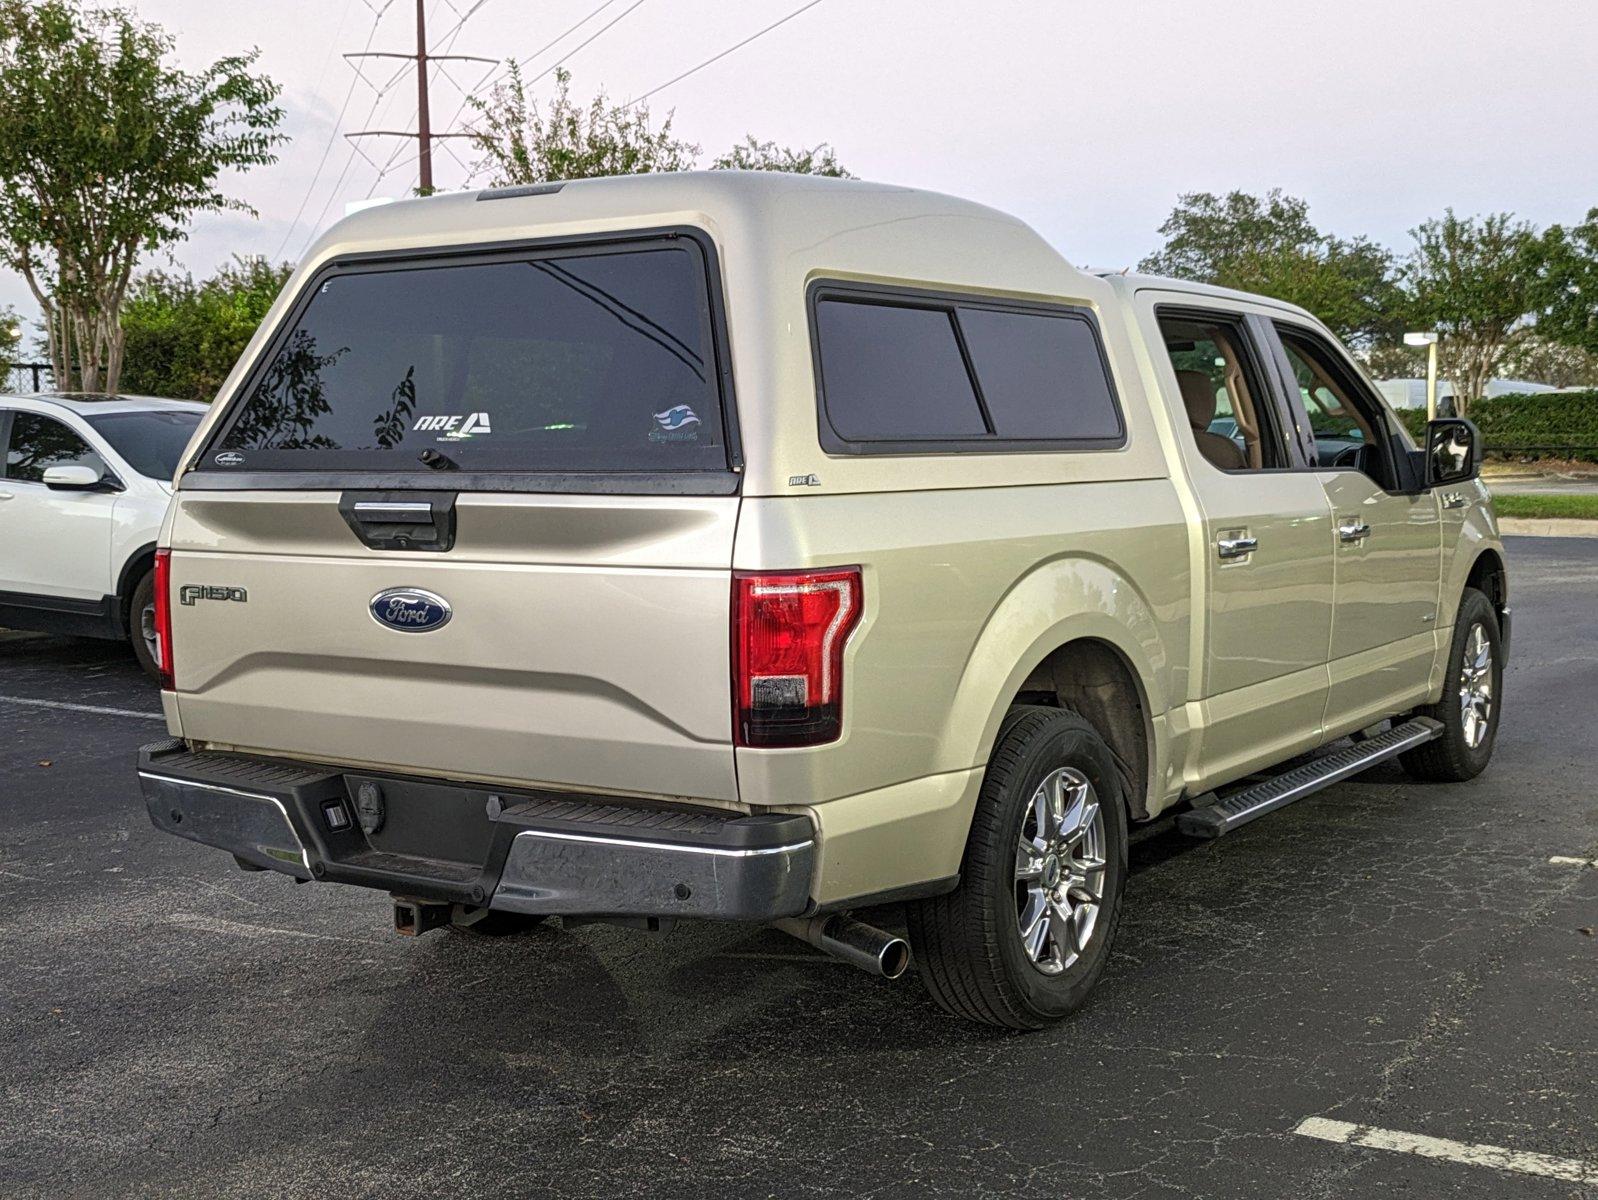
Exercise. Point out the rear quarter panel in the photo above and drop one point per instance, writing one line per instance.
(966, 592)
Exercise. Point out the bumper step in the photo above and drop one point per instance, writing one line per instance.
(1241, 807)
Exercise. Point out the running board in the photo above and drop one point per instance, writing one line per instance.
(1242, 807)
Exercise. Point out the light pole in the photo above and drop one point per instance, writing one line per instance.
(1429, 340)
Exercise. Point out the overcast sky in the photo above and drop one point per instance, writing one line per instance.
(1084, 117)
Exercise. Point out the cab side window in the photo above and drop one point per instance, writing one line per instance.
(1345, 421)
(1228, 407)
(39, 442)
(916, 372)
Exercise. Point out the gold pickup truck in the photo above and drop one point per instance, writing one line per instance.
(766, 548)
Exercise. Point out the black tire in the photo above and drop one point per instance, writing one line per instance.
(968, 944)
(1451, 758)
(140, 608)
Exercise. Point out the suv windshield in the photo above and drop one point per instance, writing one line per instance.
(597, 359)
(150, 442)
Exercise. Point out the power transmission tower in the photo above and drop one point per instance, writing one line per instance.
(424, 134)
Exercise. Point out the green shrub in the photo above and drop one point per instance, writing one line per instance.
(1550, 424)
(183, 336)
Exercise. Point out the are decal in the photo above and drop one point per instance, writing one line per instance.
(454, 427)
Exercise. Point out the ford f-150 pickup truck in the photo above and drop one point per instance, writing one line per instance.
(766, 548)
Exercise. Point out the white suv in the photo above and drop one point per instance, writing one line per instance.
(86, 483)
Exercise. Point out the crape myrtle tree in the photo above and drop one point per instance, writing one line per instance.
(1474, 280)
(1267, 244)
(520, 141)
(110, 152)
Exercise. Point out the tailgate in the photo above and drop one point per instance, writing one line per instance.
(534, 447)
(586, 643)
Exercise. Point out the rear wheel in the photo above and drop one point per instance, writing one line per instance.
(1472, 699)
(141, 626)
(1023, 939)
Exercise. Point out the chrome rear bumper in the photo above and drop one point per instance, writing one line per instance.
(527, 852)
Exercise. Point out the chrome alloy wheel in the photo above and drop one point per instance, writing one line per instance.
(1476, 687)
(1059, 870)
(152, 643)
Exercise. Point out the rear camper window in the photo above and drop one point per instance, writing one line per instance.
(600, 359)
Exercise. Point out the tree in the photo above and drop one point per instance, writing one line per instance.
(1542, 360)
(10, 337)
(182, 337)
(1269, 245)
(752, 155)
(521, 143)
(110, 153)
(1474, 280)
(1567, 300)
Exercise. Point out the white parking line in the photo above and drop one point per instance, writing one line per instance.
(87, 708)
(1565, 860)
(1466, 1153)
(240, 929)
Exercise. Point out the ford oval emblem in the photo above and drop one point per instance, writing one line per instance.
(411, 610)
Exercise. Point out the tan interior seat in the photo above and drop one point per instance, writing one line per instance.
(1198, 396)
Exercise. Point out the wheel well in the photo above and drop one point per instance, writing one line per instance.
(1093, 679)
(1487, 576)
(133, 570)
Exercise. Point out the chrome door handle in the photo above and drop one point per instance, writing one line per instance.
(1354, 531)
(5, 495)
(1236, 547)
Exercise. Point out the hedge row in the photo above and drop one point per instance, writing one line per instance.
(1550, 424)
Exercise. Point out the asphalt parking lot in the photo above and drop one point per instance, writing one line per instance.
(1385, 954)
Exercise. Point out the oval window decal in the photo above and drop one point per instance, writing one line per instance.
(410, 610)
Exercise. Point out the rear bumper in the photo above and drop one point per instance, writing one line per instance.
(528, 852)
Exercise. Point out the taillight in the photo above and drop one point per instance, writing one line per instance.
(789, 630)
(163, 616)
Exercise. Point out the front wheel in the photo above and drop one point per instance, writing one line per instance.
(141, 626)
(1023, 939)
(1472, 699)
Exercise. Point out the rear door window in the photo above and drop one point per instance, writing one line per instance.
(596, 360)
(912, 372)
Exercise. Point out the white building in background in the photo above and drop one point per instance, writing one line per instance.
(1411, 393)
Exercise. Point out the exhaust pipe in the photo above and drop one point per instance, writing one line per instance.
(854, 942)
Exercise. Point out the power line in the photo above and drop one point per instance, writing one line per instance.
(597, 33)
(349, 161)
(332, 135)
(492, 75)
(454, 31)
(718, 57)
(424, 134)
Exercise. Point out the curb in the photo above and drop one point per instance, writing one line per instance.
(1548, 527)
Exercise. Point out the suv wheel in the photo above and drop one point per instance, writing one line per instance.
(1472, 699)
(141, 626)
(1024, 938)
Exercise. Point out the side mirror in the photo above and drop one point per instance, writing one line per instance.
(73, 478)
(1453, 451)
